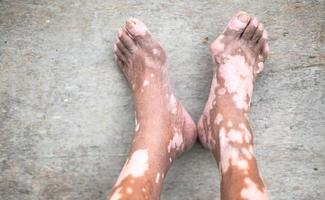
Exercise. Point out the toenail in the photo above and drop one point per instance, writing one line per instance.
(115, 47)
(243, 17)
(130, 23)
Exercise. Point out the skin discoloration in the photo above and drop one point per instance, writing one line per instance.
(162, 125)
(218, 119)
(157, 177)
(176, 142)
(239, 55)
(238, 79)
(116, 195)
(129, 190)
(136, 166)
(145, 83)
(252, 192)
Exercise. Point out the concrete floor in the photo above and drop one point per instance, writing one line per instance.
(66, 113)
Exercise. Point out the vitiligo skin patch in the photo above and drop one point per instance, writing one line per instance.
(238, 55)
(163, 128)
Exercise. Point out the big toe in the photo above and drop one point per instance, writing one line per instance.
(237, 24)
(137, 29)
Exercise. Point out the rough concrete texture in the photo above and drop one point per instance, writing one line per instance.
(66, 115)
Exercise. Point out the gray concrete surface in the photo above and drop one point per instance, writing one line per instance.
(66, 112)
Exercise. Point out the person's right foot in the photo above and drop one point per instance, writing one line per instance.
(238, 54)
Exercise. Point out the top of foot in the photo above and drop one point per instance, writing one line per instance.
(143, 62)
(244, 36)
(238, 53)
(137, 52)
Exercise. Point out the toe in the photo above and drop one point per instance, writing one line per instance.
(250, 29)
(258, 33)
(237, 24)
(126, 40)
(119, 54)
(123, 49)
(138, 30)
(263, 46)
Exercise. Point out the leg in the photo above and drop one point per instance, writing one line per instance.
(163, 128)
(224, 127)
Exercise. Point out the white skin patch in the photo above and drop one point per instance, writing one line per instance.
(225, 150)
(242, 164)
(157, 177)
(229, 124)
(247, 134)
(235, 136)
(251, 191)
(155, 52)
(129, 190)
(218, 119)
(137, 127)
(230, 154)
(152, 75)
(221, 91)
(260, 67)
(247, 153)
(176, 142)
(173, 103)
(212, 94)
(145, 83)
(238, 78)
(136, 166)
(116, 195)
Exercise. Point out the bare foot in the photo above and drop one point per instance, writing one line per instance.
(163, 128)
(143, 62)
(238, 54)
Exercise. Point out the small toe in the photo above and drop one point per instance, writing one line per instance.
(237, 24)
(123, 49)
(263, 46)
(258, 33)
(119, 54)
(250, 29)
(127, 41)
(265, 51)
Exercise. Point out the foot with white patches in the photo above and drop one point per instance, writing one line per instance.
(238, 55)
(163, 128)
